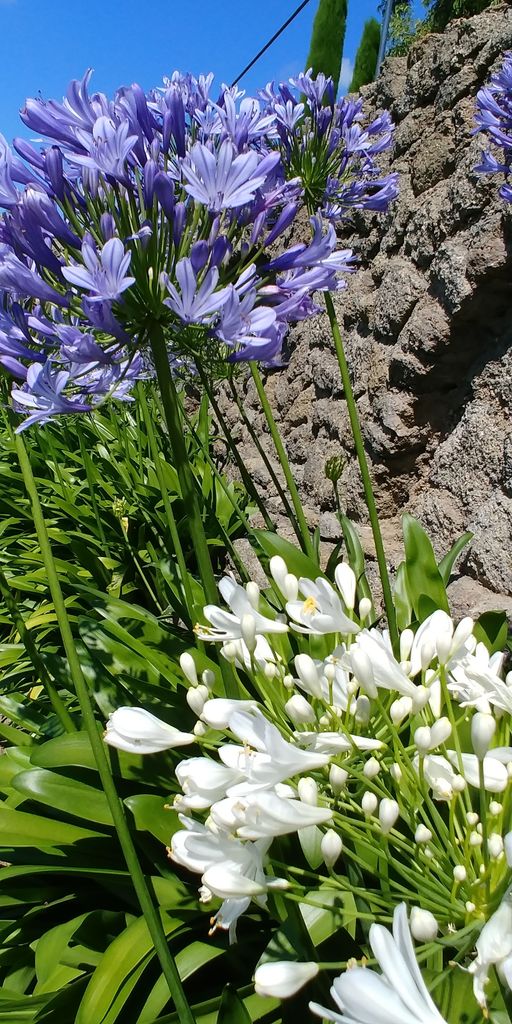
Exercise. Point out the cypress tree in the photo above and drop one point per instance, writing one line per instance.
(327, 38)
(366, 56)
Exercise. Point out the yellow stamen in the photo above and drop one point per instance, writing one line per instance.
(309, 606)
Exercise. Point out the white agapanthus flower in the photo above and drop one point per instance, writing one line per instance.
(371, 660)
(137, 731)
(226, 626)
(265, 758)
(397, 996)
(477, 681)
(321, 611)
(494, 949)
(265, 814)
(281, 979)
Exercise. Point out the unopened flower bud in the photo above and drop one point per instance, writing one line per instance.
(424, 927)
(270, 670)
(331, 846)
(330, 672)
(282, 979)
(426, 654)
(440, 731)
(229, 651)
(463, 632)
(369, 803)
(459, 784)
(483, 727)
(475, 839)
(248, 628)
(365, 607)
(396, 772)
(472, 818)
(279, 571)
(363, 671)
(200, 729)
(406, 641)
(291, 587)
(298, 709)
(334, 468)
(422, 834)
(253, 593)
(363, 710)
(388, 814)
(188, 667)
(308, 791)
(443, 647)
(495, 845)
(423, 739)
(400, 709)
(308, 675)
(470, 907)
(208, 678)
(459, 873)
(507, 843)
(288, 682)
(420, 698)
(337, 778)
(371, 768)
(495, 808)
(346, 583)
(196, 698)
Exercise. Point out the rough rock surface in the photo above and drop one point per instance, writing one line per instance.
(428, 329)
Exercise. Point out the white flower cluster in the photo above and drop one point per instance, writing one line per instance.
(395, 755)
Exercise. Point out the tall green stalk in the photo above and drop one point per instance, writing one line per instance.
(35, 656)
(148, 909)
(307, 543)
(171, 521)
(181, 461)
(365, 475)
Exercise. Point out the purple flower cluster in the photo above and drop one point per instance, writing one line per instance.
(494, 117)
(325, 144)
(158, 210)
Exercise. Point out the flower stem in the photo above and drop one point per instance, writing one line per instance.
(26, 638)
(365, 474)
(148, 909)
(181, 461)
(306, 541)
(171, 521)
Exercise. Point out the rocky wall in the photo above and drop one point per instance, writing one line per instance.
(427, 321)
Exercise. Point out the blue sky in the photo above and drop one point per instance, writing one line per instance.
(45, 44)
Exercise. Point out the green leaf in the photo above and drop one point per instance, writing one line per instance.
(298, 563)
(310, 839)
(491, 629)
(153, 814)
(232, 1009)
(64, 794)
(17, 828)
(446, 564)
(355, 557)
(71, 749)
(401, 599)
(424, 582)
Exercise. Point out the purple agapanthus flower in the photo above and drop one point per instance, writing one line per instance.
(222, 180)
(21, 280)
(42, 395)
(193, 304)
(105, 276)
(494, 118)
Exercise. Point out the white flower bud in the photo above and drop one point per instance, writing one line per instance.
(308, 791)
(298, 709)
(443, 647)
(188, 667)
(400, 709)
(282, 979)
(196, 699)
(424, 927)
(365, 607)
(208, 678)
(459, 873)
(470, 907)
(308, 675)
(363, 710)
(270, 670)
(346, 583)
(248, 628)
(495, 845)
(507, 842)
(483, 727)
(472, 818)
(200, 729)
(288, 682)
(253, 593)
(406, 642)
(422, 834)
(475, 839)
(462, 632)
(459, 784)
(369, 803)
(426, 654)
(423, 739)
(396, 772)
(229, 651)
(279, 571)
(420, 698)
(337, 778)
(363, 671)
(331, 846)
(330, 672)
(495, 808)
(371, 768)
(291, 587)
(388, 814)
(440, 731)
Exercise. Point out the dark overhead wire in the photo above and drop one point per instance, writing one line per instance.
(267, 45)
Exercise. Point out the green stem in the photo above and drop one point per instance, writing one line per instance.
(26, 638)
(173, 529)
(365, 475)
(90, 482)
(306, 541)
(148, 909)
(186, 477)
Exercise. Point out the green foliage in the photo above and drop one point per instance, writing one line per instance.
(327, 38)
(366, 57)
(441, 12)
